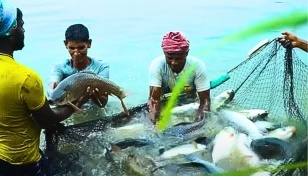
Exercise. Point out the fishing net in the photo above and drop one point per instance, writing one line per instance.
(272, 78)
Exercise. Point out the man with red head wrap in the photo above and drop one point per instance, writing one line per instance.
(165, 70)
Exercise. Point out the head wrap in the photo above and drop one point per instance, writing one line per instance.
(8, 15)
(175, 42)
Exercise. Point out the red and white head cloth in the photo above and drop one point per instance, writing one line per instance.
(175, 42)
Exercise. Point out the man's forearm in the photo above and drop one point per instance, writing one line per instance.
(207, 104)
(63, 112)
(302, 44)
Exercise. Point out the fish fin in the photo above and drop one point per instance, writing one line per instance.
(75, 107)
(124, 107)
(195, 144)
(126, 93)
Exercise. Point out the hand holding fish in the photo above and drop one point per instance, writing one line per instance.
(99, 98)
(82, 99)
(201, 111)
(73, 86)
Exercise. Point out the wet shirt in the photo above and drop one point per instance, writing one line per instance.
(21, 91)
(62, 70)
(161, 75)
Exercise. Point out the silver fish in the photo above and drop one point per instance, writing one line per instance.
(183, 149)
(216, 102)
(74, 86)
(210, 167)
(222, 99)
(283, 133)
(241, 123)
(255, 114)
(265, 126)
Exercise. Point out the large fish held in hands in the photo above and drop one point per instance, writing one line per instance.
(74, 86)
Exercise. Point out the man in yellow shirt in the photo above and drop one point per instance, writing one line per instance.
(24, 109)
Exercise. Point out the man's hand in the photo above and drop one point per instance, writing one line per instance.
(199, 114)
(84, 98)
(99, 98)
(154, 112)
(203, 109)
(288, 40)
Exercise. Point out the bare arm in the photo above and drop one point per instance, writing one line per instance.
(154, 103)
(205, 102)
(99, 98)
(46, 116)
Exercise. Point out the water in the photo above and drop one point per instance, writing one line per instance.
(127, 34)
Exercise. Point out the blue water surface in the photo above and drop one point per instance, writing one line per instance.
(127, 34)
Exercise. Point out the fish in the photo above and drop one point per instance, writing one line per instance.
(241, 123)
(244, 154)
(141, 164)
(132, 131)
(284, 133)
(222, 99)
(210, 167)
(182, 169)
(234, 146)
(265, 126)
(216, 102)
(74, 86)
(255, 114)
(182, 149)
(133, 142)
(271, 148)
(187, 131)
(137, 163)
(223, 143)
(186, 110)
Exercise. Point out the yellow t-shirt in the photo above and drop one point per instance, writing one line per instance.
(21, 90)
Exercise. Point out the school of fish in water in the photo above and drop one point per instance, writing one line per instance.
(224, 140)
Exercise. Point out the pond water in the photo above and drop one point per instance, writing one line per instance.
(127, 34)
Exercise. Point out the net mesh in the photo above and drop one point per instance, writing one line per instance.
(272, 78)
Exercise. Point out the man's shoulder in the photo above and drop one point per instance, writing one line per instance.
(158, 63)
(99, 62)
(160, 60)
(62, 64)
(25, 71)
(193, 59)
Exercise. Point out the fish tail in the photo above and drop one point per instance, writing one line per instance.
(125, 93)
(124, 107)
